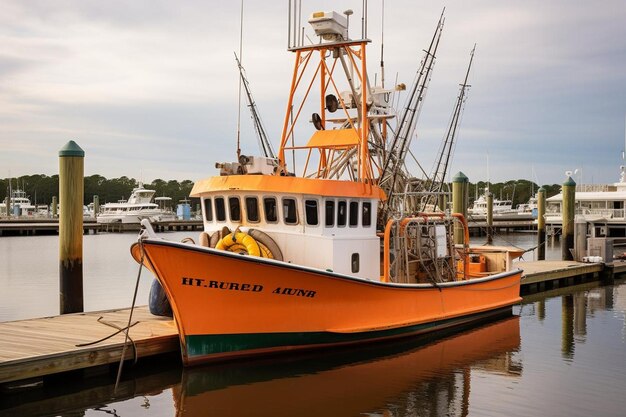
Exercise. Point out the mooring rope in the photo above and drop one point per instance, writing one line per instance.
(130, 317)
(115, 326)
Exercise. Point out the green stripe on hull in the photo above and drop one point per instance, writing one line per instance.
(201, 346)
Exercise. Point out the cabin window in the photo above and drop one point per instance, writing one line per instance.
(271, 212)
(290, 216)
(330, 213)
(252, 209)
(220, 209)
(366, 217)
(310, 210)
(354, 213)
(355, 263)
(342, 214)
(235, 209)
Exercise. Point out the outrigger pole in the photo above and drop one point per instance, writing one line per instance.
(264, 142)
(440, 168)
(393, 165)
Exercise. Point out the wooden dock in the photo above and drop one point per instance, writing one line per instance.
(45, 226)
(36, 348)
(27, 227)
(546, 275)
(43, 346)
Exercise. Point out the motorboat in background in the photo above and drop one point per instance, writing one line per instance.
(499, 206)
(139, 206)
(20, 205)
(479, 208)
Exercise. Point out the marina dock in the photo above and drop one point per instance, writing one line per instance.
(33, 349)
(39, 347)
(47, 226)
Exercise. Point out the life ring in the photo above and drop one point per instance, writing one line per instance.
(241, 238)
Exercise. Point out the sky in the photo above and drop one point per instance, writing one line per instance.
(149, 89)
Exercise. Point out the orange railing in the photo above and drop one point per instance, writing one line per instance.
(406, 220)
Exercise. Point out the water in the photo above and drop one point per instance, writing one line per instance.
(562, 353)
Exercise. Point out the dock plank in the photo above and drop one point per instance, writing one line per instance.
(38, 347)
(541, 271)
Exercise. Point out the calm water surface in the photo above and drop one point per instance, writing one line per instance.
(562, 353)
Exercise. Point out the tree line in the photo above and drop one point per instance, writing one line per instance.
(518, 191)
(41, 188)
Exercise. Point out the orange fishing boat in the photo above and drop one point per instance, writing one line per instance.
(296, 261)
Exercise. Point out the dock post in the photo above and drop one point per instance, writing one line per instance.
(460, 190)
(541, 224)
(71, 192)
(568, 211)
(580, 239)
(96, 206)
(54, 206)
(489, 218)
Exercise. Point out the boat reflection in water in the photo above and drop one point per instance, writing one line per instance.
(413, 377)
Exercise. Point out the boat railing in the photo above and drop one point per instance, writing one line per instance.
(586, 211)
(606, 213)
(421, 249)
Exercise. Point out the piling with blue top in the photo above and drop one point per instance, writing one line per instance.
(568, 211)
(71, 194)
(541, 224)
(460, 194)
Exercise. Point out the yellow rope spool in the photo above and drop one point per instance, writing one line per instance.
(251, 246)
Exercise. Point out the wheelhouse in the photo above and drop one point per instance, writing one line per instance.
(331, 228)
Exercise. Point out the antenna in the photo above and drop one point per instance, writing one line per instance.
(348, 13)
(363, 20)
(240, 83)
(382, 46)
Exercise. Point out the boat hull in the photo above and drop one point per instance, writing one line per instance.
(228, 305)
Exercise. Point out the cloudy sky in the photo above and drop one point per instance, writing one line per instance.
(149, 88)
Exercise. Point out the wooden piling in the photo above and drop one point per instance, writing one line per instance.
(568, 211)
(9, 208)
(541, 224)
(96, 206)
(54, 206)
(580, 239)
(460, 190)
(71, 194)
(489, 218)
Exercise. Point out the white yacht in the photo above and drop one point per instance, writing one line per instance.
(528, 207)
(139, 206)
(479, 208)
(20, 204)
